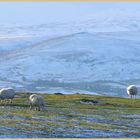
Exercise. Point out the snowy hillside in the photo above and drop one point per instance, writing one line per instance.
(100, 54)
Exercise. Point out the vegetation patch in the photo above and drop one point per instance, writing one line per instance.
(66, 116)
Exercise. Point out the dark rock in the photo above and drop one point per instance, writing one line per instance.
(88, 101)
(58, 93)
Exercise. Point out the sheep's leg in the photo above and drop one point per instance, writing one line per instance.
(36, 108)
(43, 107)
(5, 100)
(2, 100)
(31, 106)
(10, 100)
(39, 108)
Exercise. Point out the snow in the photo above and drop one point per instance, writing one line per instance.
(62, 56)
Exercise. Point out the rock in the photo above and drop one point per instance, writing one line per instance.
(88, 101)
(58, 93)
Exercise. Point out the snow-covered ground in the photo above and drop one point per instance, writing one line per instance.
(97, 54)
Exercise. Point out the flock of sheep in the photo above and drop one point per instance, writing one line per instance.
(37, 102)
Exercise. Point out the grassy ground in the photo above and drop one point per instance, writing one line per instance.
(65, 116)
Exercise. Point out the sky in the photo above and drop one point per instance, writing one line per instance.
(45, 12)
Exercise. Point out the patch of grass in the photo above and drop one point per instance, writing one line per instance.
(66, 110)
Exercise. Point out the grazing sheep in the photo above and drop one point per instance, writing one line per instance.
(7, 94)
(132, 91)
(36, 101)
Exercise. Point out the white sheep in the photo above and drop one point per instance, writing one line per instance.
(132, 91)
(36, 101)
(7, 94)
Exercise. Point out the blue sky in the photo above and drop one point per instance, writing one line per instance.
(43, 12)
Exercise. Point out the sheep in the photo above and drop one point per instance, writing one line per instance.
(132, 91)
(7, 94)
(36, 101)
